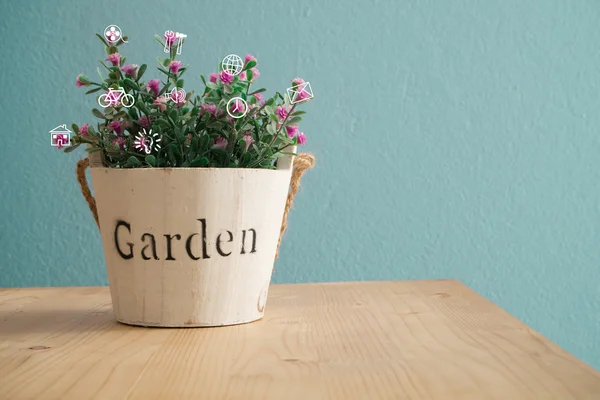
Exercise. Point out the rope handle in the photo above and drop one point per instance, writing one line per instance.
(302, 163)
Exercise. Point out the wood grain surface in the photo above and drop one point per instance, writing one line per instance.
(358, 340)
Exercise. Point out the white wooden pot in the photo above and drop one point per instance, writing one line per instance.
(190, 247)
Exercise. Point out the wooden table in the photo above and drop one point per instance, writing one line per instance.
(360, 340)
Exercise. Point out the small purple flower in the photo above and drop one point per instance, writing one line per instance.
(255, 73)
(292, 130)
(220, 143)
(281, 112)
(213, 78)
(144, 121)
(83, 130)
(131, 70)
(258, 96)
(249, 57)
(170, 38)
(225, 77)
(208, 108)
(178, 97)
(303, 94)
(118, 126)
(154, 86)
(175, 66)
(119, 143)
(301, 138)
(114, 58)
(161, 102)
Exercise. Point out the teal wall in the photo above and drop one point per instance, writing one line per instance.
(454, 139)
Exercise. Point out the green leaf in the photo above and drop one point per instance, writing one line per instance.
(179, 83)
(151, 160)
(257, 91)
(71, 148)
(173, 115)
(203, 79)
(204, 143)
(124, 39)
(93, 90)
(160, 40)
(141, 71)
(293, 121)
(249, 75)
(246, 158)
(111, 50)
(133, 162)
(249, 64)
(103, 40)
(211, 85)
(131, 84)
(97, 113)
(298, 113)
(222, 154)
(75, 128)
(199, 162)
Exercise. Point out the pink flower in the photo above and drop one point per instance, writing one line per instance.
(83, 130)
(213, 78)
(237, 108)
(118, 126)
(220, 143)
(161, 102)
(292, 130)
(208, 108)
(281, 112)
(144, 121)
(178, 97)
(258, 96)
(303, 94)
(256, 74)
(249, 57)
(114, 58)
(131, 70)
(225, 77)
(170, 38)
(248, 139)
(154, 86)
(82, 80)
(174, 66)
(243, 76)
(301, 138)
(120, 143)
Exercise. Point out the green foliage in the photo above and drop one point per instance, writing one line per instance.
(195, 131)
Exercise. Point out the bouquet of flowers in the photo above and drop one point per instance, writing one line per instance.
(157, 124)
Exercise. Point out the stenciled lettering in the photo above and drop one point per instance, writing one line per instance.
(172, 246)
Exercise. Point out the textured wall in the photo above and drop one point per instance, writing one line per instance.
(454, 139)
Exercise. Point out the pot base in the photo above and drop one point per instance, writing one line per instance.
(187, 325)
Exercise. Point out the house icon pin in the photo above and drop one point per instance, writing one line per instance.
(60, 136)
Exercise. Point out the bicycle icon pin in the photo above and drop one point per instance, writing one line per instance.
(114, 97)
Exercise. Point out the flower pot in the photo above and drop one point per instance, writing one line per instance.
(188, 247)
